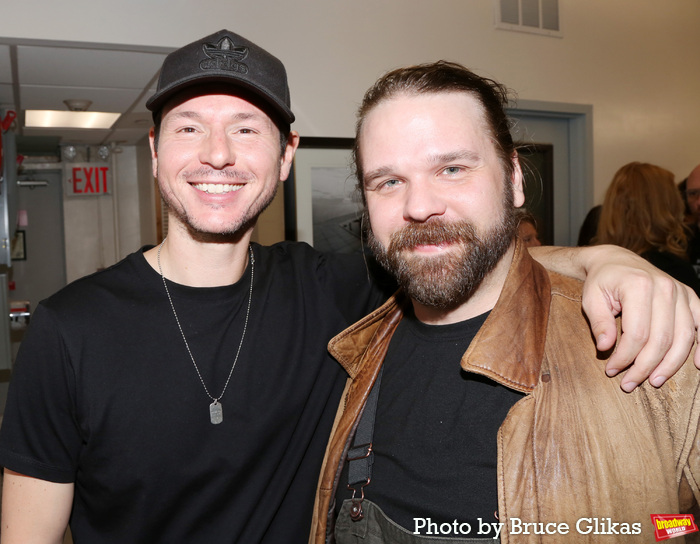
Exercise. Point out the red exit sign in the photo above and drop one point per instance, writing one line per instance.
(87, 178)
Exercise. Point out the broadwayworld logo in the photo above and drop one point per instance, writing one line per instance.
(669, 526)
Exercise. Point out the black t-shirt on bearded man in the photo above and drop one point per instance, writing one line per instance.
(435, 447)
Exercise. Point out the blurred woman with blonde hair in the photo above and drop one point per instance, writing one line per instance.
(643, 212)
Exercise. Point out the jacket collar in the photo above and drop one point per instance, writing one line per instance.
(509, 347)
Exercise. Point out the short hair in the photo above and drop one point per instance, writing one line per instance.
(438, 77)
(643, 211)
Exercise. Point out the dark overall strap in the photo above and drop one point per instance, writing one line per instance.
(360, 455)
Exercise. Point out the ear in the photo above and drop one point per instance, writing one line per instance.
(518, 185)
(288, 156)
(154, 153)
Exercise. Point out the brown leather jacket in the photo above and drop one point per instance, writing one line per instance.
(575, 446)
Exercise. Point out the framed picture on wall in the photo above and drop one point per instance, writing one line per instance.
(322, 209)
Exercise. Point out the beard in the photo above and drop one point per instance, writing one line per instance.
(446, 281)
(236, 225)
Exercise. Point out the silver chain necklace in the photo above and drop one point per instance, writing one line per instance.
(216, 411)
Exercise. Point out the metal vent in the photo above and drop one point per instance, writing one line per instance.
(534, 16)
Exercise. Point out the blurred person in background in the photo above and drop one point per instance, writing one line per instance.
(589, 227)
(691, 194)
(643, 212)
(527, 229)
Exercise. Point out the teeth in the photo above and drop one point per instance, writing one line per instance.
(217, 188)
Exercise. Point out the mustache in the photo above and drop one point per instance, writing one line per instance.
(229, 174)
(432, 233)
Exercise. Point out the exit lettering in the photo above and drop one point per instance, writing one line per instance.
(90, 180)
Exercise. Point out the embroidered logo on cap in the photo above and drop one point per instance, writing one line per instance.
(224, 55)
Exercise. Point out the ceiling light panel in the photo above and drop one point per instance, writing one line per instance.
(69, 119)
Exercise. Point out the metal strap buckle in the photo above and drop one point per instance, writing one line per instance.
(356, 513)
(365, 449)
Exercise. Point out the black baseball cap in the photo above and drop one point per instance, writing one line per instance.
(224, 57)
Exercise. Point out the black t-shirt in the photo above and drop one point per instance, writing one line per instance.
(694, 248)
(104, 394)
(434, 444)
(676, 267)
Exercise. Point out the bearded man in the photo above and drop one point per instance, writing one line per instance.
(478, 405)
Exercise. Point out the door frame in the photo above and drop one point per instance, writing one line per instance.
(579, 120)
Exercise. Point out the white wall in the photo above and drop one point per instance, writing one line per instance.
(635, 61)
(100, 230)
(146, 196)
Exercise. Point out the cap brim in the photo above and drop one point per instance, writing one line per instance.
(156, 102)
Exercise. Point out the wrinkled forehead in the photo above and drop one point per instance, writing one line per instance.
(188, 95)
(468, 107)
(439, 118)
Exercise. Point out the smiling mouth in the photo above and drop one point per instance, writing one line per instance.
(430, 248)
(217, 188)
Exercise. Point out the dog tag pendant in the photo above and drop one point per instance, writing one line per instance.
(216, 412)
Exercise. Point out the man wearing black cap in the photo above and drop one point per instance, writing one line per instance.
(185, 394)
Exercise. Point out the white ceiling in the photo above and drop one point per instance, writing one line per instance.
(41, 75)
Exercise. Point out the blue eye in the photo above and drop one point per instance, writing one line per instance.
(452, 170)
(389, 184)
(383, 185)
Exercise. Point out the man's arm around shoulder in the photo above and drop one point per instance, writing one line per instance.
(34, 511)
(660, 316)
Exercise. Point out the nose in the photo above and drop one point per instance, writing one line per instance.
(422, 201)
(217, 150)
